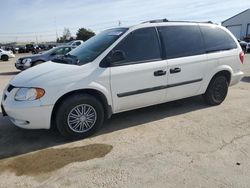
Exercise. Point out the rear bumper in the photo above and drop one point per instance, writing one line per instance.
(236, 78)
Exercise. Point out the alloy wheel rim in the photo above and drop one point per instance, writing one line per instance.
(82, 118)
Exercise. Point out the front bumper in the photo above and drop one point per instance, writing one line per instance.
(11, 55)
(22, 66)
(26, 114)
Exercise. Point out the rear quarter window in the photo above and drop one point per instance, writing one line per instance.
(216, 39)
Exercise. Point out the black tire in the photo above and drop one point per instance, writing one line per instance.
(216, 91)
(68, 105)
(37, 63)
(4, 58)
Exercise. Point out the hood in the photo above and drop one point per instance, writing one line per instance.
(48, 73)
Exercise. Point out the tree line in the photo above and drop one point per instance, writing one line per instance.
(82, 34)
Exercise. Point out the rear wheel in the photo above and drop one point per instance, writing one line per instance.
(216, 91)
(4, 58)
(79, 116)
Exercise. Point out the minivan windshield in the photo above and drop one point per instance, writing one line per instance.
(93, 47)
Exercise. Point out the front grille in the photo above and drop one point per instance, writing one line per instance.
(9, 89)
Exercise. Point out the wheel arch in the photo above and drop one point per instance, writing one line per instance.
(97, 94)
(6, 55)
(226, 71)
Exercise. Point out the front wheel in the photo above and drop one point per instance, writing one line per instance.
(4, 58)
(216, 91)
(79, 116)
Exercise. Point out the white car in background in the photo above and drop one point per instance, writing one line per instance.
(5, 55)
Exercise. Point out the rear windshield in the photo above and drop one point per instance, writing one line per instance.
(93, 47)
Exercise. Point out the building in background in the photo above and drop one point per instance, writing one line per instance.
(239, 25)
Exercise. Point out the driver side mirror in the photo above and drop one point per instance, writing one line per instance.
(116, 57)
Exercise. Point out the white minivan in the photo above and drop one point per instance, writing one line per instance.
(123, 69)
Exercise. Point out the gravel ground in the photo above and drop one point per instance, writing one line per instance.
(179, 144)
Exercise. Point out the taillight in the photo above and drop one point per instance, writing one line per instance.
(242, 57)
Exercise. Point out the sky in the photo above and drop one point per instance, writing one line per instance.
(40, 20)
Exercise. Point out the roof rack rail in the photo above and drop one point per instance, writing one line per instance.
(166, 20)
(156, 21)
(193, 21)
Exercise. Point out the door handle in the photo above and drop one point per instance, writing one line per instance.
(160, 73)
(175, 70)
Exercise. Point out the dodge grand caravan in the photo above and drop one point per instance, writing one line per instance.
(123, 69)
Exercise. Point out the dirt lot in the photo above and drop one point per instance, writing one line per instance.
(179, 144)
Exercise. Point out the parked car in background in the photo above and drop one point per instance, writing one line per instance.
(30, 61)
(243, 45)
(21, 49)
(75, 43)
(29, 48)
(77, 97)
(10, 48)
(248, 47)
(5, 55)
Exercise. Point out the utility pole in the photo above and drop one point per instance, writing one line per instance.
(119, 23)
(56, 29)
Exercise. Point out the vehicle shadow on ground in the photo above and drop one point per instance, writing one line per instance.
(15, 141)
(9, 73)
(246, 79)
(150, 114)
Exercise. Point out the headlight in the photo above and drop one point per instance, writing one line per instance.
(27, 61)
(29, 94)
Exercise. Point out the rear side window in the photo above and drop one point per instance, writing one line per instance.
(181, 41)
(140, 45)
(217, 39)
